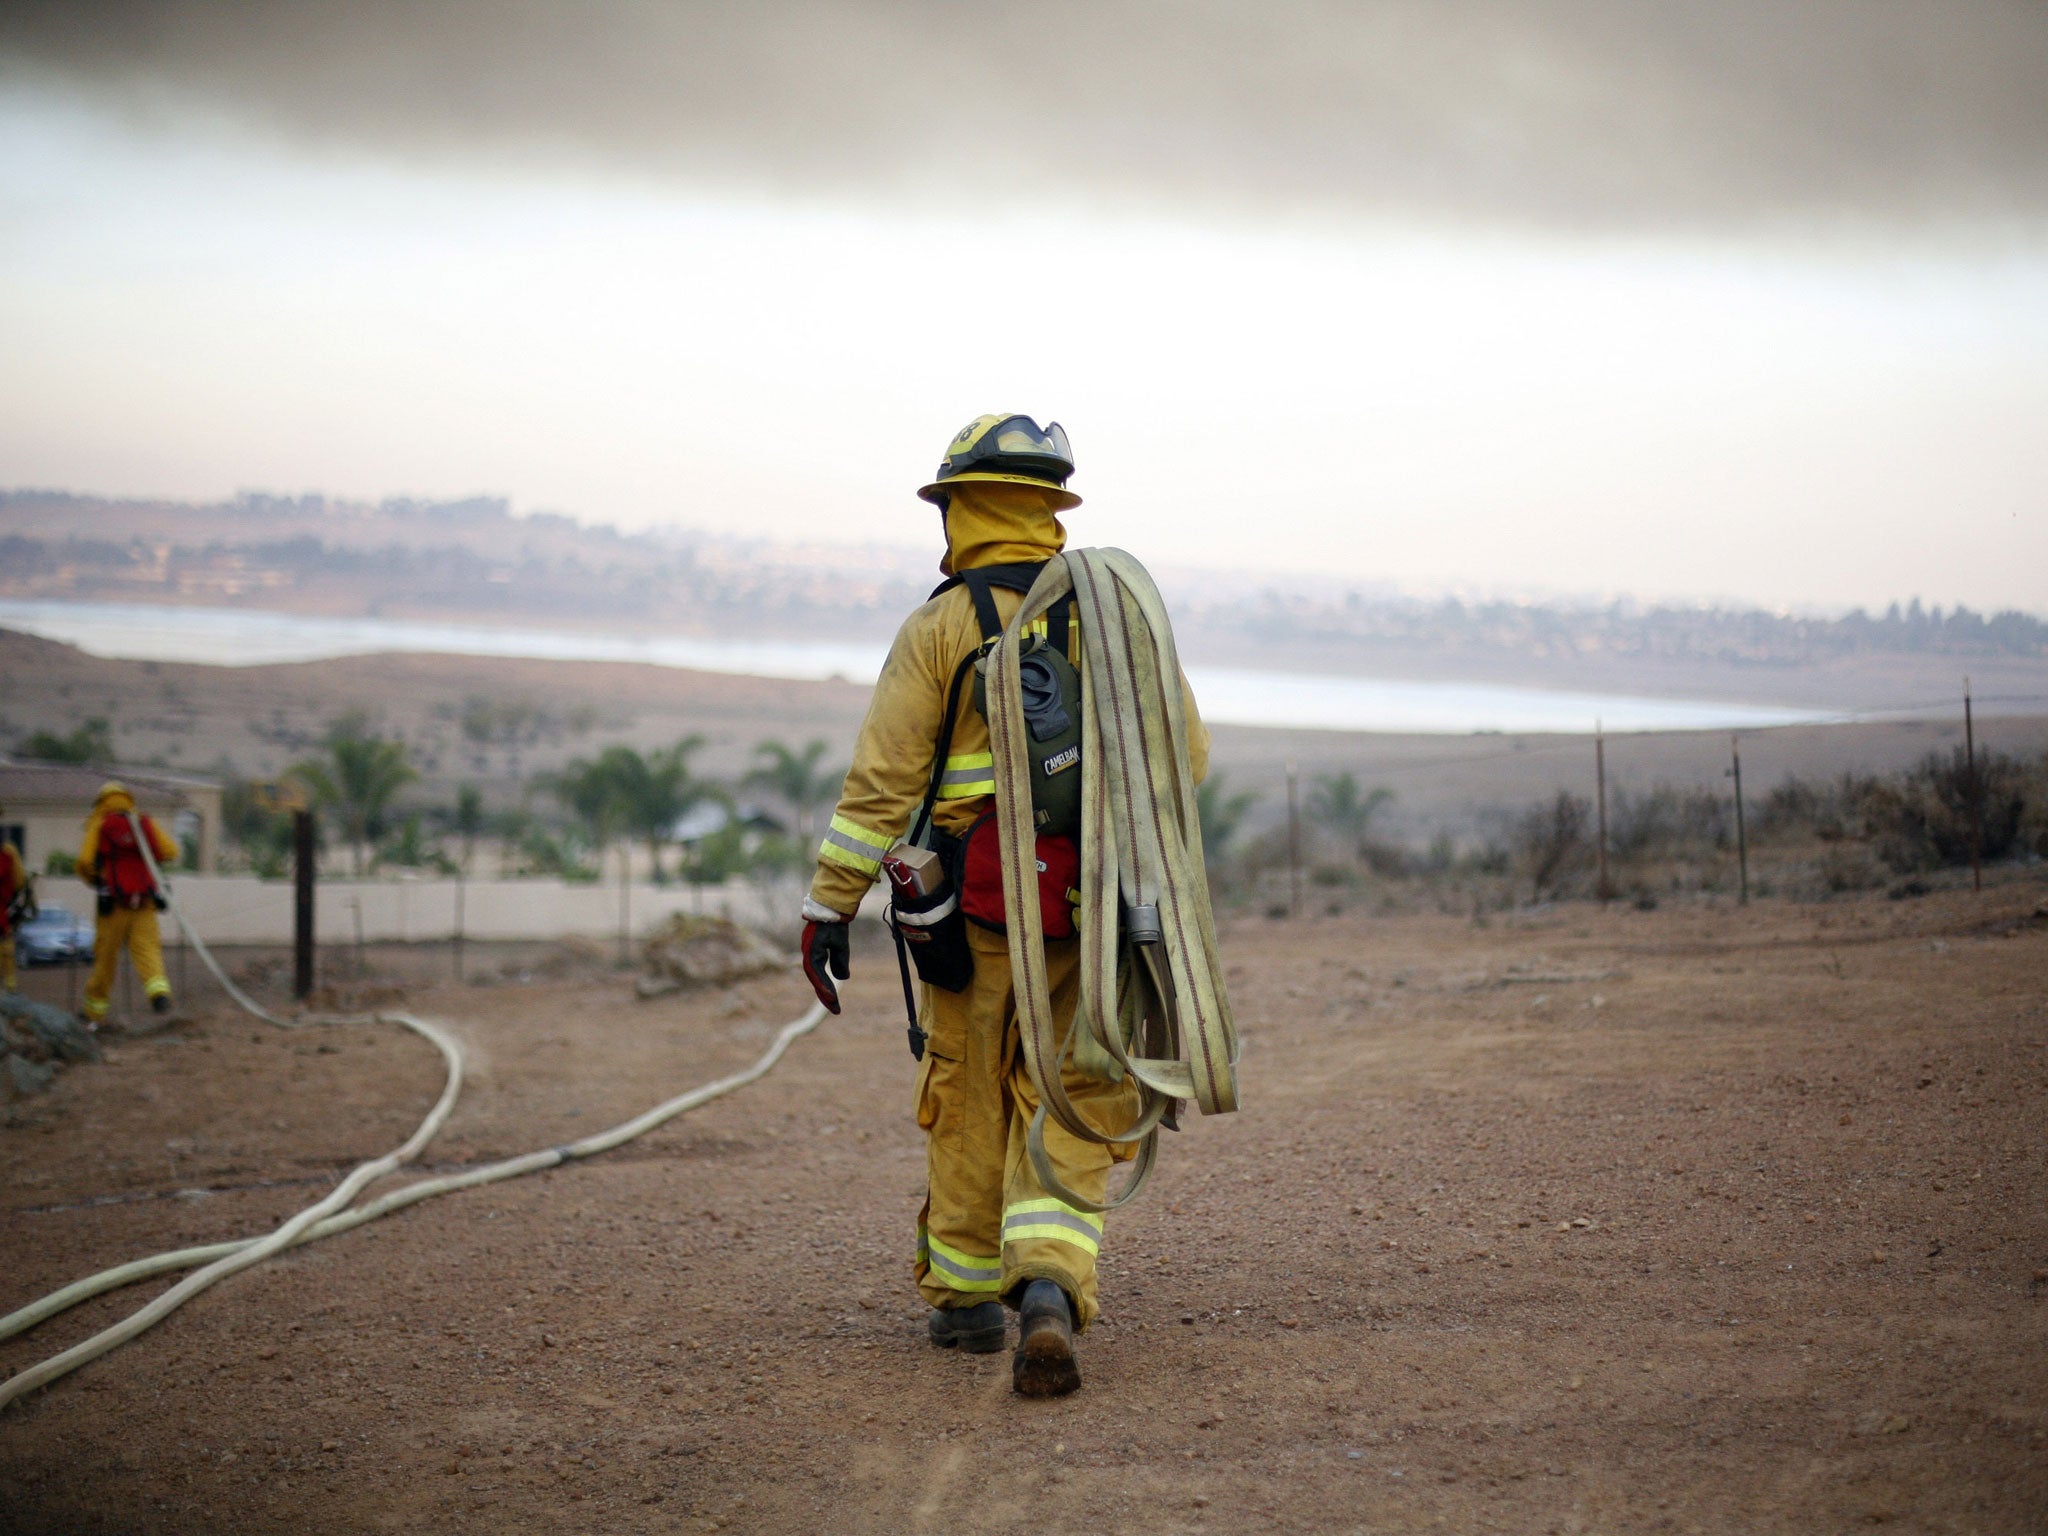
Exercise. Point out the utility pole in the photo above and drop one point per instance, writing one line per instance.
(303, 855)
(1600, 780)
(1976, 796)
(1741, 828)
(1293, 843)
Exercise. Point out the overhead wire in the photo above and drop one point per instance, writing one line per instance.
(1553, 742)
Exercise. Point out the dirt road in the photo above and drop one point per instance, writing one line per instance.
(1719, 1220)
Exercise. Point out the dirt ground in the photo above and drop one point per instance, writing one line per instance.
(1700, 1219)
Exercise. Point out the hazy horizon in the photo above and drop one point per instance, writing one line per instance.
(910, 554)
(1748, 305)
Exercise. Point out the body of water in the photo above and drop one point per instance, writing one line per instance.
(1227, 695)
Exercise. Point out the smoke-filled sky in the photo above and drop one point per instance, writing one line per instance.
(1742, 300)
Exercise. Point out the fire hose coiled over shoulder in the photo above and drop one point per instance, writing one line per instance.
(1152, 1001)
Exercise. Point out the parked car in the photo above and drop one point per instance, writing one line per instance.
(51, 937)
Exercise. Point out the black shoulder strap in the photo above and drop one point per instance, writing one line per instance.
(980, 587)
(1016, 578)
(931, 794)
(979, 583)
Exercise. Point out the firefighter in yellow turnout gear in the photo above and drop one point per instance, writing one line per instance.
(16, 901)
(110, 862)
(989, 1232)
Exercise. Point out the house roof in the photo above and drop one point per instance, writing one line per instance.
(79, 783)
(709, 816)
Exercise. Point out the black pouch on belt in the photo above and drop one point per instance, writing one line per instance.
(924, 908)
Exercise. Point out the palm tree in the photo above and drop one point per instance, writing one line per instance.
(356, 779)
(1220, 812)
(660, 792)
(795, 777)
(625, 793)
(591, 791)
(1337, 804)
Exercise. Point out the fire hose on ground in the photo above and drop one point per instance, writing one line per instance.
(334, 1213)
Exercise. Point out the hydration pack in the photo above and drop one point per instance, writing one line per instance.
(1052, 715)
(123, 875)
(17, 898)
(1052, 696)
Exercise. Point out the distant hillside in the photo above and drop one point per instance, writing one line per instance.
(400, 558)
(499, 723)
(474, 560)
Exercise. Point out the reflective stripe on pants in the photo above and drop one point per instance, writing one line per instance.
(137, 933)
(958, 1271)
(1054, 1221)
(975, 1102)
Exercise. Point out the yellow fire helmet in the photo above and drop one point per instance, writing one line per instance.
(109, 789)
(1010, 450)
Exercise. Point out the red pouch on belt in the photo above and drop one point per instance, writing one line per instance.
(981, 879)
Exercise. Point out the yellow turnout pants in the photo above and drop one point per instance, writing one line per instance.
(988, 1226)
(137, 933)
(8, 981)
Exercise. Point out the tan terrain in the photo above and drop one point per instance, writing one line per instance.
(499, 721)
(1705, 1218)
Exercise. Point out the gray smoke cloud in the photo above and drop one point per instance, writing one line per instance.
(1644, 114)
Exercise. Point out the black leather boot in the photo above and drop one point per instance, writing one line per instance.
(977, 1329)
(1044, 1363)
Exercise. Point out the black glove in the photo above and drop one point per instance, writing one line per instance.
(827, 953)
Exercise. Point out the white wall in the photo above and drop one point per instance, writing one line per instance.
(241, 909)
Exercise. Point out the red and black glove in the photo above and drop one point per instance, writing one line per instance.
(827, 952)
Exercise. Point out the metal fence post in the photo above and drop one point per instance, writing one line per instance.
(1600, 782)
(1975, 791)
(1293, 843)
(1741, 828)
(303, 875)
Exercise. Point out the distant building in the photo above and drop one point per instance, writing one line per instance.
(709, 817)
(43, 807)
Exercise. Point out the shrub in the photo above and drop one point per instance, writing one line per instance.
(1849, 867)
(263, 834)
(1220, 812)
(1924, 820)
(1666, 818)
(714, 856)
(1552, 842)
(540, 852)
(408, 847)
(91, 742)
